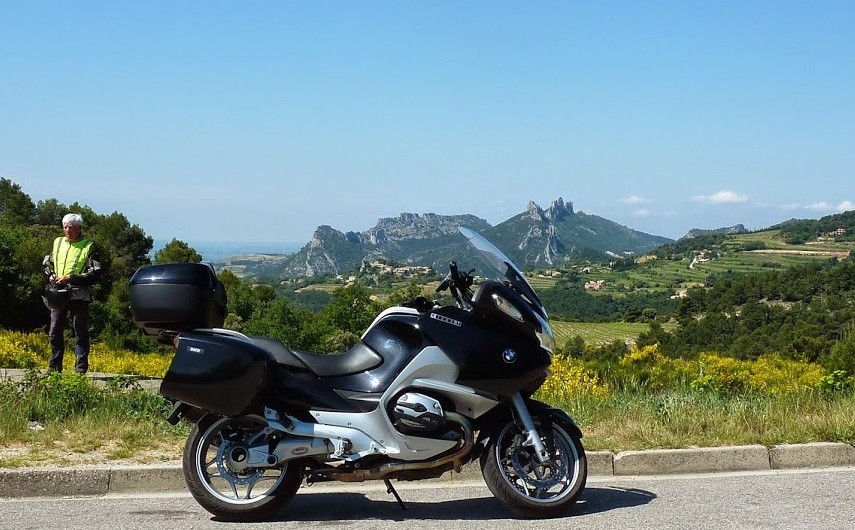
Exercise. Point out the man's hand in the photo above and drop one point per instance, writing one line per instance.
(63, 280)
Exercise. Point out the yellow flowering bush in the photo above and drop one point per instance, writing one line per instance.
(23, 350)
(569, 377)
(648, 355)
(647, 369)
(770, 374)
(104, 359)
(31, 350)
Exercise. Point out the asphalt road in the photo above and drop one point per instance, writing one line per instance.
(776, 499)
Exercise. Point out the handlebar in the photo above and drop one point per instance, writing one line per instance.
(459, 284)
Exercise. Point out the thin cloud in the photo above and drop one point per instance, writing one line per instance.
(641, 212)
(722, 197)
(825, 206)
(634, 199)
(819, 206)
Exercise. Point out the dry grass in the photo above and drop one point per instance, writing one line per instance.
(675, 420)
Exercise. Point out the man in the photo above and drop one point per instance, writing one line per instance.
(71, 267)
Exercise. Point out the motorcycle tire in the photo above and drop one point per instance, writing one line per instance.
(220, 481)
(526, 487)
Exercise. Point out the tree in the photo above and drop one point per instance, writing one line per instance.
(412, 290)
(282, 320)
(242, 302)
(351, 309)
(10, 278)
(21, 279)
(50, 213)
(263, 292)
(16, 207)
(176, 251)
(574, 347)
(842, 353)
(655, 334)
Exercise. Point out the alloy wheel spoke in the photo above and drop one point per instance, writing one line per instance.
(234, 489)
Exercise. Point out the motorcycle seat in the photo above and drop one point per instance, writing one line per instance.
(281, 353)
(356, 360)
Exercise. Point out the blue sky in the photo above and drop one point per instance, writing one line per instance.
(258, 121)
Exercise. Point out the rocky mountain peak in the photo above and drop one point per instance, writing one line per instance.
(323, 233)
(558, 211)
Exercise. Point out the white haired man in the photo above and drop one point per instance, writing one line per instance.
(71, 267)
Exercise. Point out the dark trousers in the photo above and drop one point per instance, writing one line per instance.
(79, 310)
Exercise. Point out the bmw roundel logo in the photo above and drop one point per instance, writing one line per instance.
(509, 356)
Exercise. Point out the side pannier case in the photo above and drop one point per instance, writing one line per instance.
(168, 299)
(219, 372)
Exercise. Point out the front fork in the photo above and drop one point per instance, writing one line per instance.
(533, 438)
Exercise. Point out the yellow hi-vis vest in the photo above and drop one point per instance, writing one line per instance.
(70, 258)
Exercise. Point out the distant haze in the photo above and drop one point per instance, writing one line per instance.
(216, 251)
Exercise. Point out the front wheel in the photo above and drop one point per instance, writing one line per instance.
(524, 485)
(218, 477)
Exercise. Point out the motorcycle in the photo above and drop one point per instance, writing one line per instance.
(425, 391)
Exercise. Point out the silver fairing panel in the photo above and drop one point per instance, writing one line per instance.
(430, 369)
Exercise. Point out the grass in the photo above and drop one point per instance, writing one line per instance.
(63, 420)
(678, 419)
(643, 400)
(612, 421)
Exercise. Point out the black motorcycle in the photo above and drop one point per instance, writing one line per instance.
(426, 390)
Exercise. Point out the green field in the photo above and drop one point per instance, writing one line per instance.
(540, 282)
(326, 287)
(600, 333)
(664, 274)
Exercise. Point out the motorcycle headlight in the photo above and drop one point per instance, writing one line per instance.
(547, 339)
(507, 308)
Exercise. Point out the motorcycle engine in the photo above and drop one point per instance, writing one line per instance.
(418, 414)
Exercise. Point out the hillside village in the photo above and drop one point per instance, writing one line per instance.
(384, 269)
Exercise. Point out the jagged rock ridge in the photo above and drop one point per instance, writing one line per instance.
(540, 237)
(399, 238)
(726, 230)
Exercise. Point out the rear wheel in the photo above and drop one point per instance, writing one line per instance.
(218, 476)
(528, 487)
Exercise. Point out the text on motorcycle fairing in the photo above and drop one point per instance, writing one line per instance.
(446, 320)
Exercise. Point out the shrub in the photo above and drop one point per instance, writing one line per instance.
(55, 396)
(569, 378)
(32, 350)
(23, 350)
(646, 369)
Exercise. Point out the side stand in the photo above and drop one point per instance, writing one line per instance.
(391, 489)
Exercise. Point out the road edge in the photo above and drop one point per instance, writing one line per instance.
(165, 478)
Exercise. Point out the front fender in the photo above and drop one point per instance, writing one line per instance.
(557, 416)
(490, 424)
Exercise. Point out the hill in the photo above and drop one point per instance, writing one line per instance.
(536, 238)
(546, 237)
(698, 232)
(840, 227)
